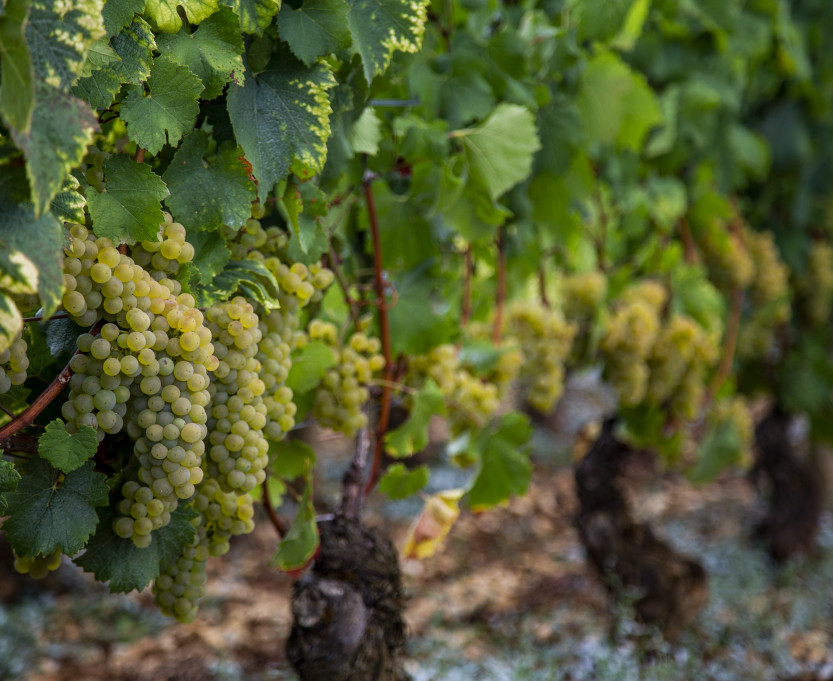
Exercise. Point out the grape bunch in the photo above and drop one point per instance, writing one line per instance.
(815, 285)
(470, 401)
(343, 392)
(582, 294)
(734, 412)
(238, 451)
(545, 339)
(768, 297)
(37, 567)
(724, 252)
(630, 335)
(13, 364)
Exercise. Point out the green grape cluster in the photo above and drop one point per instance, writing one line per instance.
(769, 296)
(545, 339)
(13, 364)
(37, 567)
(724, 253)
(238, 451)
(630, 335)
(582, 295)
(471, 401)
(343, 392)
(815, 285)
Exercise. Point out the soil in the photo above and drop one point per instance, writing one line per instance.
(510, 596)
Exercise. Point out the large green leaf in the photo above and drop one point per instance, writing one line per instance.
(133, 48)
(11, 321)
(400, 483)
(281, 118)
(59, 36)
(211, 254)
(412, 435)
(315, 29)
(212, 52)
(255, 15)
(118, 14)
(164, 14)
(501, 149)
(617, 105)
(9, 478)
(205, 196)
(62, 127)
(382, 27)
(504, 468)
(17, 75)
(129, 209)
(50, 511)
(126, 567)
(248, 277)
(170, 105)
(39, 239)
(64, 451)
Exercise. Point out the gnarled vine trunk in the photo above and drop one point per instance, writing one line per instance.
(671, 588)
(795, 490)
(348, 609)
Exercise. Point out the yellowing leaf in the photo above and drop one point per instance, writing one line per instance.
(427, 532)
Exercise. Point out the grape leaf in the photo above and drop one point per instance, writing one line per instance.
(309, 366)
(164, 15)
(134, 47)
(210, 254)
(428, 530)
(301, 542)
(599, 19)
(212, 52)
(118, 14)
(289, 460)
(64, 451)
(17, 75)
(400, 483)
(281, 119)
(366, 133)
(129, 209)
(40, 240)
(170, 105)
(255, 15)
(412, 435)
(18, 274)
(62, 127)
(504, 468)
(249, 277)
(616, 104)
(500, 150)
(722, 447)
(68, 204)
(204, 195)
(315, 29)
(125, 566)
(11, 321)
(59, 36)
(47, 513)
(9, 478)
(382, 27)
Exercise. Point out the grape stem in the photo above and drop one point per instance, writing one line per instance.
(690, 248)
(26, 417)
(542, 287)
(57, 315)
(465, 308)
(140, 155)
(500, 291)
(277, 523)
(729, 346)
(336, 268)
(384, 332)
(352, 495)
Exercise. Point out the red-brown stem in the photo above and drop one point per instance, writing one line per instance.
(57, 315)
(277, 523)
(500, 291)
(336, 268)
(542, 287)
(465, 308)
(26, 417)
(28, 444)
(140, 155)
(729, 345)
(689, 247)
(384, 331)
